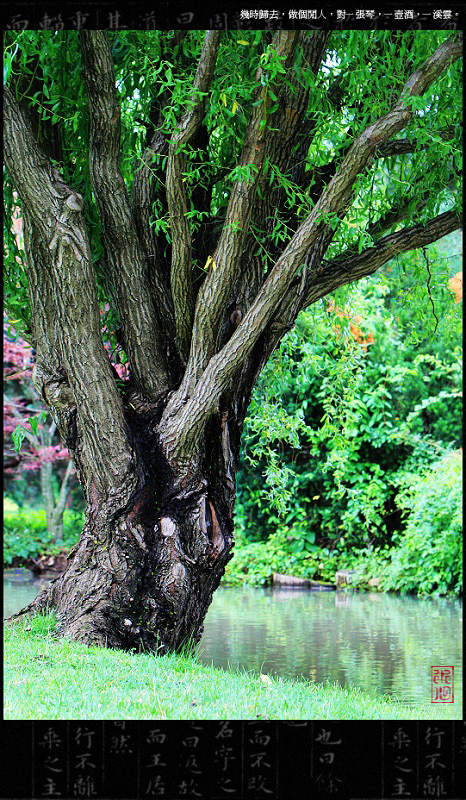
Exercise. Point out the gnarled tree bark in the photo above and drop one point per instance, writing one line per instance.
(157, 458)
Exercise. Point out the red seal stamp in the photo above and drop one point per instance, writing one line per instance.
(442, 684)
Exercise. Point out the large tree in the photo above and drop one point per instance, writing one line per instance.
(207, 187)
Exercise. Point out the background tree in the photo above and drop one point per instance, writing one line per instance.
(208, 187)
(25, 420)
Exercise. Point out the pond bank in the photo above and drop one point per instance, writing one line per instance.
(48, 678)
(54, 564)
(381, 643)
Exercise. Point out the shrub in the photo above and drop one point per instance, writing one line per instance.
(255, 562)
(427, 558)
(26, 535)
(333, 423)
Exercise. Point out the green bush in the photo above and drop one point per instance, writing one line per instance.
(331, 427)
(427, 558)
(339, 415)
(254, 563)
(26, 535)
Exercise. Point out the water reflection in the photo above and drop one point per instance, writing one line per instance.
(381, 643)
(21, 587)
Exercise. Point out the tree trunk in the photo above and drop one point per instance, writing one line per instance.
(144, 572)
(53, 508)
(54, 521)
(157, 455)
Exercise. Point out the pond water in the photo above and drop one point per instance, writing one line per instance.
(380, 643)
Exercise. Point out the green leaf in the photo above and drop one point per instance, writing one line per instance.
(18, 436)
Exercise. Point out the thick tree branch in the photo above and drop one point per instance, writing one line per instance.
(292, 127)
(20, 144)
(215, 291)
(177, 198)
(287, 144)
(390, 148)
(349, 266)
(338, 192)
(148, 187)
(47, 135)
(149, 193)
(399, 210)
(72, 372)
(125, 257)
(395, 214)
(337, 195)
(222, 367)
(399, 147)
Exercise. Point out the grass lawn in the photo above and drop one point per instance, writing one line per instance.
(51, 678)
